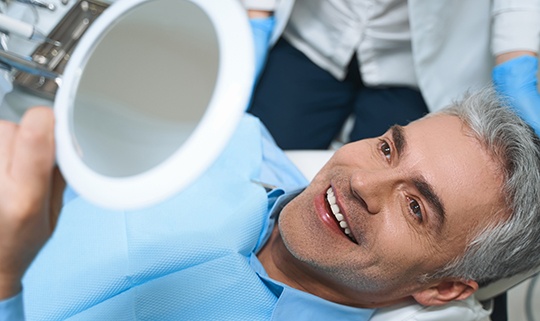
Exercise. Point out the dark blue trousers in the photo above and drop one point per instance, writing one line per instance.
(305, 107)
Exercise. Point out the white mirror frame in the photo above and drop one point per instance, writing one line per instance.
(226, 107)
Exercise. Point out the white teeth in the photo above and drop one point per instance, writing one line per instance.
(331, 198)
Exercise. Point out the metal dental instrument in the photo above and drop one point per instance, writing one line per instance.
(27, 65)
(53, 58)
(39, 4)
(22, 29)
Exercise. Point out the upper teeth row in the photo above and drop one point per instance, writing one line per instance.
(335, 210)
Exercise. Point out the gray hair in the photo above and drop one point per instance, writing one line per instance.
(510, 245)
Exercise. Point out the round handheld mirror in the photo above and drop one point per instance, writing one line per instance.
(150, 97)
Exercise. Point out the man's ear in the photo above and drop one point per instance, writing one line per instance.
(446, 291)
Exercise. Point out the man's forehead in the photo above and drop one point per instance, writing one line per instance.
(432, 123)
(459, 170)
(435, 130)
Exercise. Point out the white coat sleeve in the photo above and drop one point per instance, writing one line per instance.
(516, 26)
(264, 5)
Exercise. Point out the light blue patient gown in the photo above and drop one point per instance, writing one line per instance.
(184, 259)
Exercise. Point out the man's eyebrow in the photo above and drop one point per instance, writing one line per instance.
(421, 184)
(433, 199)
(398, 137)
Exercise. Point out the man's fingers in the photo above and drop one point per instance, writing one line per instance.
(33, 150)
(7, 131)
(57, 193)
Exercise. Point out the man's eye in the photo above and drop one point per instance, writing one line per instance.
(415, 209)
(385, 149)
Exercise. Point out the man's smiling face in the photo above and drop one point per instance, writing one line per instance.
(407, 202)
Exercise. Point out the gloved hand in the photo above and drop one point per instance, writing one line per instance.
(516, 79)
(262, 30)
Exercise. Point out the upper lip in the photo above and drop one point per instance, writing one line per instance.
(336, 209)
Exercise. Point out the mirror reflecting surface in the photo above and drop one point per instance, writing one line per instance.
(145, 87)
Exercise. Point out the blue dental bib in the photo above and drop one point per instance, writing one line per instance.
(184, 259)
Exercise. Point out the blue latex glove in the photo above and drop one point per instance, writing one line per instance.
(516, 79)
(262, 30)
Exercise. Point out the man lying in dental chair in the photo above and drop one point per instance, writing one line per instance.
(426, 213)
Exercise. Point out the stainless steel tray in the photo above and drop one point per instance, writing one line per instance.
(68, 32)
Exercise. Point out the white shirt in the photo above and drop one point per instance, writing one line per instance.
(442, 47)
(329, 32)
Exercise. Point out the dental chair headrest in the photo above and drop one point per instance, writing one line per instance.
(501, 286)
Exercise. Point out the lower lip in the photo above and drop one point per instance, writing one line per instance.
(326, 217)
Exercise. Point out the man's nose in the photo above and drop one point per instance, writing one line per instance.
(374, 187)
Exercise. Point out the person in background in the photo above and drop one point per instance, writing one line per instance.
(388, 62)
